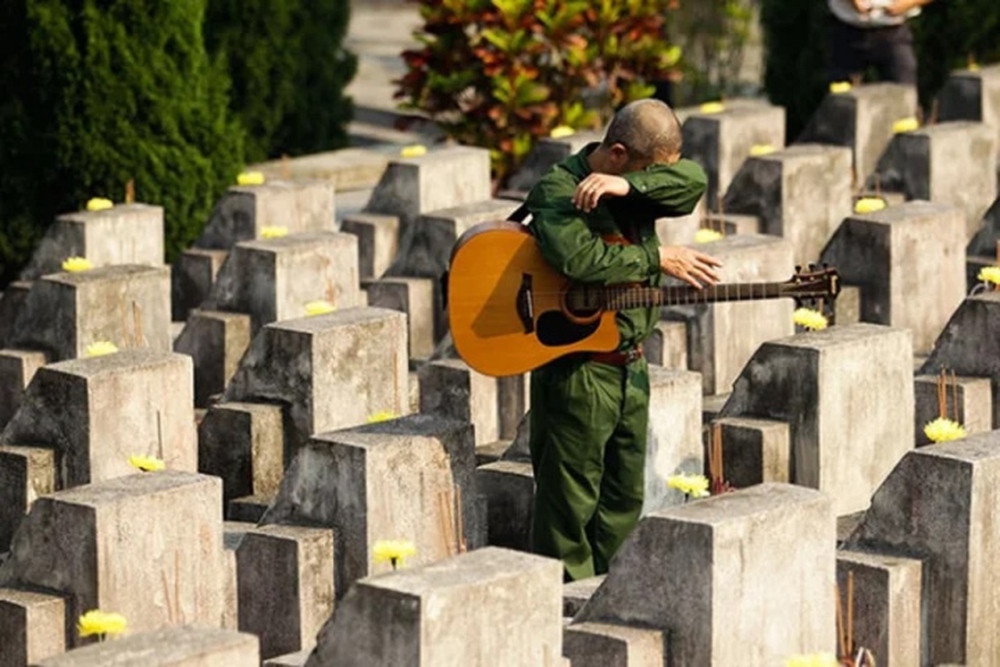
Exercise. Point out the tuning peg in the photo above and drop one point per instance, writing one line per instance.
(798, 268)
(812, 267)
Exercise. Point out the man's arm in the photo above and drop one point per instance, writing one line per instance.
(672, 189)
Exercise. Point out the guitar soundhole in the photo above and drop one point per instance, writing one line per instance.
(553, 329)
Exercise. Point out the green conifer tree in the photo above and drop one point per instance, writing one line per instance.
(94, 93)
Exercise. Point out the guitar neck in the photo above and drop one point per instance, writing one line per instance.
(624, 297)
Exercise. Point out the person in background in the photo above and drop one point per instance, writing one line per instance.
(873, 34)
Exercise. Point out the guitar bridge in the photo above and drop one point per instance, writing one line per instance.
(525, 305)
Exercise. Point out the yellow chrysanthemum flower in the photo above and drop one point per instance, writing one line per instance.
(76, 264)
(989, 274)
(99, 204)
(706, 236)
(319, 308)
(250, 178)
(810, 319)
(712, 107)
(973, 67)
(814, 660)
(869, 205)
(416, 150)
(393, 551)
(840, 87)
(101, 348)
(695, 486)
(562, 131)
(944, 430)
(381, 416)
(273, 232)
(759, 150)
(146, 463)
(97, 623)
(905, 125)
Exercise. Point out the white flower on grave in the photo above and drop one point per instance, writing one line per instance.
(416, 150)
(840, 87)
(319, 308)
(869, 205)
(250, 178)
(99, 623)
(695, 486)
(902, 125)
(813, 660)
(76, 264)
(944, 430)
(562, 131)
(146, 463)
(810, 319)
(705, 235)
(99, 204)
(989, 274)
(101, 348)
(393, 551)
(381, 416)
(712, 107)
(273, 232)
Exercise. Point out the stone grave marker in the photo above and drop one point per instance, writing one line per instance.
(215, 341)
(973, 95)
(167, 647)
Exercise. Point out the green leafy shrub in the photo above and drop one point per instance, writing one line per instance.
(288, 69)
(94, 93)
(502, 73)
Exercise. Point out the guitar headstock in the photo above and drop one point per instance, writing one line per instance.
(817, 283)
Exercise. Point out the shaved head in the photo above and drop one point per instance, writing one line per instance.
(649, 129)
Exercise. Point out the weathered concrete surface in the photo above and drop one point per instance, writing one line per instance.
(191, 279)
(754, 451)
(969, 345)
(847, 395)
(667, 346)
(244, 211)
(509, 489)
(297, 659)
(413, 296)
(448, 614)
(345, 169)
(426, 243)
(331, 371)
(720, 142)
(25, 474)
(862, 120)
(513, 397)
(673, 443)
(17, 367)
(11, 302)
(124, 234)
(383, 481)
(949, 163)
(128, 305)
(886, 605)
(450, 389)
(167, 647)
(244, 444)
(440, 179)
(249, 508)
(32, 627)
(606, 645)
(547, 153)
(705, 573)
(97, 412)
(938, 505)
(722, 337)
(969, 402)
(378, 241)
(973, 95)
(273, 279)
(801, 193)
(285, 585)
(578, 593)
(909, 263)
(984, 243)
(158, 534)
(215, 341)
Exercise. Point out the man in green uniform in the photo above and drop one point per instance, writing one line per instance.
(589, 412)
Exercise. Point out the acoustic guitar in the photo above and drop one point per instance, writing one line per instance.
(511, 312)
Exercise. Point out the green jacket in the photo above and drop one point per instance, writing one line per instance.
(571, 240)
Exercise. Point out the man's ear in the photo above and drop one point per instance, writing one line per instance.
(618, 155)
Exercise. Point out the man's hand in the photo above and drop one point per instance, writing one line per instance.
(689, 265)
(595, 186)
(900, 7)
(863, 6)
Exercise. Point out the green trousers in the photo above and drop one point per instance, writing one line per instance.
(588, 451)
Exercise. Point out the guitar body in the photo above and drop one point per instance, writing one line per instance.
(506, 305)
